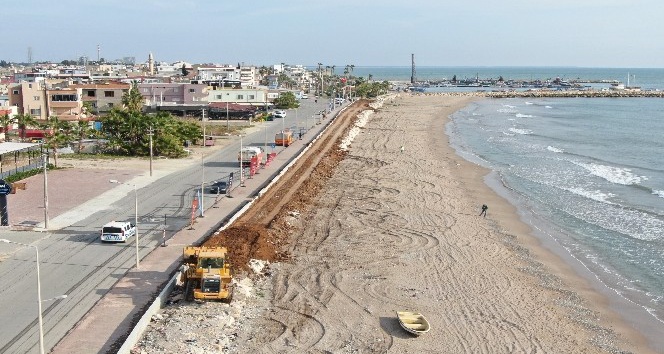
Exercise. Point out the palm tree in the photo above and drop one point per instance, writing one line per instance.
(81, 130)
(59, 136)
(5, 122)
(24, 121)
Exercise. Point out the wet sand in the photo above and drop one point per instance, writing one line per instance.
(398, 229)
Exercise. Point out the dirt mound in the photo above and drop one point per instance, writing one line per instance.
(245, 242)
(264, 231)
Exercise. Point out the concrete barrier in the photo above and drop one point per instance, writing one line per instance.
(143, 323)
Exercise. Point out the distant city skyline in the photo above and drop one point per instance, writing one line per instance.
(588, 33)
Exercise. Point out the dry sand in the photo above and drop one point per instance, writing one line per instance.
(399, 230)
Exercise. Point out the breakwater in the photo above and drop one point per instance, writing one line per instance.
(550, 93)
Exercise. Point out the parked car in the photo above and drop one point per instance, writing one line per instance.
(305, 96)
(279, 114)
(219, 187)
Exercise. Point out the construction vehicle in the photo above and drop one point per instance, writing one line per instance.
(283, 138)
(206, 274)
(249, 152)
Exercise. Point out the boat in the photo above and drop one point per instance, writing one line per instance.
(413, 322)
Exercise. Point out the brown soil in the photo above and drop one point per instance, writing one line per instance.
(263, 231)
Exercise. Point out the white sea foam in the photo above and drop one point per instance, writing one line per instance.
(613, 174)
(508, 134)
(553, 149)
(519, 115)
(658, 193)
(509, 106)
(506, 110)
(548, 107)
(594, 195)
(528, 103)
(521, 131)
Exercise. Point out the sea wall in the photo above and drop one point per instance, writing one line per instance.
(546, 93)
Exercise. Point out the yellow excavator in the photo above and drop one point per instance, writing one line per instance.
(206, 274)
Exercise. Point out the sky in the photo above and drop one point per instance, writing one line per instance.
(583, 33)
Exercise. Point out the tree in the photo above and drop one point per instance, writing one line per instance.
(24, 121)
(132, 99)
(5, 122)
(125, 131)
(286, 100)
(185, 72)
(57, 134)
(82, 129)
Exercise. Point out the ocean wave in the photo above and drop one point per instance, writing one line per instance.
(658, 193)
(613, 174)
(509, 106)
(548, 107)
(521, 131)
(528, 103)
(553, 149)
(506, 110)
(596, 195)
(508, 134)
(519, 115)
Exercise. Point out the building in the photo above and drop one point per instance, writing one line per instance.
(178, 98)
(42, 103)
(103, 97)
(245, 96)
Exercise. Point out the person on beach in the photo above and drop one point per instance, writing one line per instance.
(402, 148)
(484, 208)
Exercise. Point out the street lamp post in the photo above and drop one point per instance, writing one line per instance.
(45, 158)
(39, 300)
(135, 215)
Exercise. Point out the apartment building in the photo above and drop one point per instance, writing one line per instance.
(103, 97)
(170, 94)
(41, 103)
(245, 96)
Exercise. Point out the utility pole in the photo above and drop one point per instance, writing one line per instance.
(228, 129)
(150, 133)
(202, 182)
(203, 121)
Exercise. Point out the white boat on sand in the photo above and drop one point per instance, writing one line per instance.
(413, 322)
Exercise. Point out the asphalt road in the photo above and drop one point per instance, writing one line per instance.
(72, 260)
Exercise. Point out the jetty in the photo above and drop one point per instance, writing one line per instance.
(548, 93)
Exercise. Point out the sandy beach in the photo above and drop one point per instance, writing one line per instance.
(400, 230)
(397, 227)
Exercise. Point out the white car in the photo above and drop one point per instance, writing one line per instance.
(305, 96)
(279, 114)
(117, 231)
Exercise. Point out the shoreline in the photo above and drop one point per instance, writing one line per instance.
(397, 228)
(615, 312)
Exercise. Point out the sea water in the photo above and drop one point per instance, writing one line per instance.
(587, 172)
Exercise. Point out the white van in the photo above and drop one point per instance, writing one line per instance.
(117, 231)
